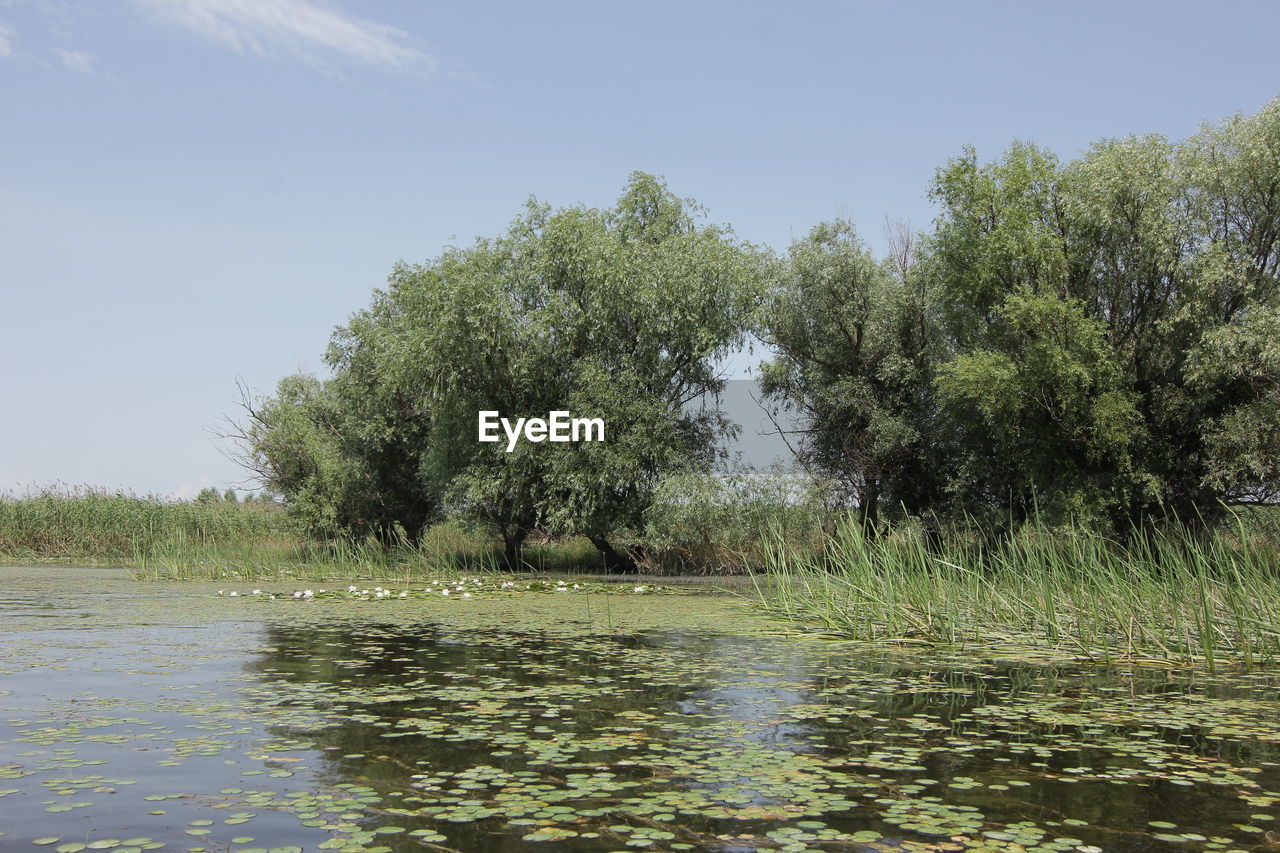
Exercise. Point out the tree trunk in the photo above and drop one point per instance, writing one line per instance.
(413, 533)
(512, 545)
(614, 563)
(870, 508)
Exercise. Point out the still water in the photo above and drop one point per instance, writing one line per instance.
(149, 716)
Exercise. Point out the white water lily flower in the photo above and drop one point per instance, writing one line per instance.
(466, 595)
(234, 593)
(351, 588)
(444, 592)
(257, 592)
(220, 592)
(640, 589)
(404, 595)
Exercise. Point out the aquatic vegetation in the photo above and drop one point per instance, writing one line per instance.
(90, 524)
(459, 588)
(184, 720)
(1159, 597)
(164, 539)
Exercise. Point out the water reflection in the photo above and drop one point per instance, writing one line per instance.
(292, 724)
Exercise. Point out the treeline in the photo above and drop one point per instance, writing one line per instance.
(210, 495)
(1091, 342)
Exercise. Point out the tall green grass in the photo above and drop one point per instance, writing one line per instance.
(447, 547)
(97, 526)
(1168, 596)
(190, 540)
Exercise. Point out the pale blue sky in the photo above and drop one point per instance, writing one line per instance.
(196, 190)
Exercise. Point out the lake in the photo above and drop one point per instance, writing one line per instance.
(175, 716)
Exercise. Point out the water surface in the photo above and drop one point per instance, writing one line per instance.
(166, 716)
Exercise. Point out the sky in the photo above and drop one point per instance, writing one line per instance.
(196, 192)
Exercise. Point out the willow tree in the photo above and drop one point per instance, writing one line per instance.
(855, 348)
(1093, 341)
(1113, 324)
(621, 313)
(343, 457)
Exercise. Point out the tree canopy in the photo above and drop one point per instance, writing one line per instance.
(1094, 340)
(1087, 341)
(623, 313)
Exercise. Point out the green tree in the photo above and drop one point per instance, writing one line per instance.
(622, 313)
(343, 465)
(1111, 324)
(1090, 341)
(856, 345)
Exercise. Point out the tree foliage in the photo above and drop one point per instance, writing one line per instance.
(1097, 337)
(622, 313)
(1092, 341)
(856, 343)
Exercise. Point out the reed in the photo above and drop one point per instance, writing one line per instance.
(1163, 595)
(91, 525)
(187, 540)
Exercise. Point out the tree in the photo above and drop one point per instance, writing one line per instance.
(1112, 323)
(622, 314)
(856, 345)
(1094, 341)
(343, 465)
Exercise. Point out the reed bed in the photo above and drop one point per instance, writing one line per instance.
(1163, 596)
(443, 549)
(90, 525)
(189, 540)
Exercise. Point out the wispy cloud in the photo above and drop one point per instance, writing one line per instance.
(76, 60)
(6, 40)
(303, 28)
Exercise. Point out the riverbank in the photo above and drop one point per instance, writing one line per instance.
(1174, 597)
(218, 540)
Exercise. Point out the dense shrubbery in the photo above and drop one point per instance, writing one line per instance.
(719, 522)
